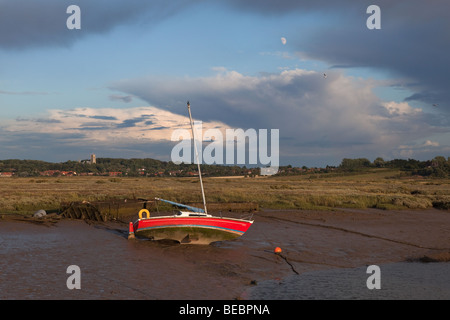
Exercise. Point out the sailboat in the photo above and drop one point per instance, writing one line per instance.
(190, 224)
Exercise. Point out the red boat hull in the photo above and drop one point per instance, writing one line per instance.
(199, 230)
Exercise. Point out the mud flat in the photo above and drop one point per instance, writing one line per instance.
(35, 254)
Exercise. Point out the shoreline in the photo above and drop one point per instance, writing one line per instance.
(375, 189)
(345, 220)
(310, 240)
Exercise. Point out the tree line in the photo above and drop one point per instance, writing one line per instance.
(436, 167)
(118, 166)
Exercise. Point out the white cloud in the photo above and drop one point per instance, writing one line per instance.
(106, 125)
(400, 108)
(430, 143)
(427, 150)
(417, 146)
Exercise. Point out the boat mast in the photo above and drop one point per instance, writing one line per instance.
(196, 155)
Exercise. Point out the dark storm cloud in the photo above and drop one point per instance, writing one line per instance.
(31, 23)
(271, 7)
(413, 42)
(93, 126)
(115, 97)
(297, 102)
(40, 120)
(130, 123)
(103, 117)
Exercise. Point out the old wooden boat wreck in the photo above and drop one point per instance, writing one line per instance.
(191, 224)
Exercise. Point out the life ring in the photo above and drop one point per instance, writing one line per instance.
(144, 211)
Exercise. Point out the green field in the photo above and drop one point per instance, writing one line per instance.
(374, 188)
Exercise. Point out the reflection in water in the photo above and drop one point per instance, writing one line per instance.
(399, 281)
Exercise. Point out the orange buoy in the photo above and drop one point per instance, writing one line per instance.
(278, 250)
(131, 231)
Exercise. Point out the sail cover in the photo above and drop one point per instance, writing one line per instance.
(193, 209)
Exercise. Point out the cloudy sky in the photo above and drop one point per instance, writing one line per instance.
(118, 86)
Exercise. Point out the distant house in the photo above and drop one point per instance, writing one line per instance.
(68, 173)
(6, 174)
(175, 173)
(114, 173)
(50, 173)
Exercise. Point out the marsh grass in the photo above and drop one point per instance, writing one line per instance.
(378, 188)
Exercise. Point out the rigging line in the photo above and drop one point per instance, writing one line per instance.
(196, 154)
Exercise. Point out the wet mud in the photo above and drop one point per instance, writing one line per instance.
(35, 254)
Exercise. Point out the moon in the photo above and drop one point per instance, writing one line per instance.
(283, 40)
